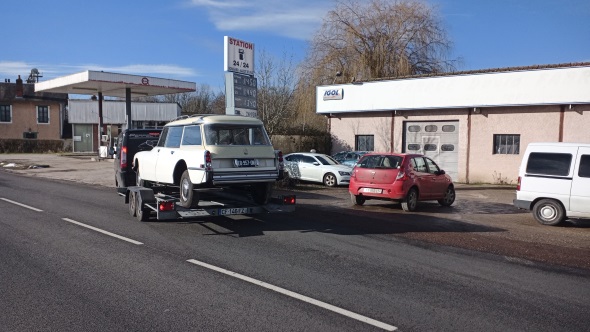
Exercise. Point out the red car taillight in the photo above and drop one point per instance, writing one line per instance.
(518, 184)
(401, 175)
(123, 157)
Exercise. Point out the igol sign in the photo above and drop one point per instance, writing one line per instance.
(334, 94)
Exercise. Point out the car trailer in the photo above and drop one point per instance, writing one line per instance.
(146, 202)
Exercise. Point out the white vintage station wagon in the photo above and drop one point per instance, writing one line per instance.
(201, 152)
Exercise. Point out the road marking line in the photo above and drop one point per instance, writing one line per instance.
(21, 204)
(102, 231)
(297, 296)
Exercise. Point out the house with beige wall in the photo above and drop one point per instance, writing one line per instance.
(475, 125)
(25, 113)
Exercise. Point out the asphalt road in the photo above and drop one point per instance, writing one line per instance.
(321, 268)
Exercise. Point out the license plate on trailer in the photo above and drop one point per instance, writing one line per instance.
(245, 162)
(372, 190)
(232, 211)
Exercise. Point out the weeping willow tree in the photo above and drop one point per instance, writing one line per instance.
(367, 40)
(374, 39)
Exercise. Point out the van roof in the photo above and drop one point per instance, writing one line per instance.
(562, 144)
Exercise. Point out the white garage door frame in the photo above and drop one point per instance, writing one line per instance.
(438, 140)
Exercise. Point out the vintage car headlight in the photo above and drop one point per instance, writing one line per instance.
(343, 173)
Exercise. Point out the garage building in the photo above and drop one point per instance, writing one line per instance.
(475, 125)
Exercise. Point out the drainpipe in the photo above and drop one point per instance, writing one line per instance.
(468, 145)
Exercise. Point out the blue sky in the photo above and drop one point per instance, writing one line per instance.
(183, 39)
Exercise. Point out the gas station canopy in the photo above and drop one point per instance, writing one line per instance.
(113, 85)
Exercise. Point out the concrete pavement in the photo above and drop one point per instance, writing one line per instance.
(69, 167)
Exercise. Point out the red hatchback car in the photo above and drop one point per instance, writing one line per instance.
(406, 178)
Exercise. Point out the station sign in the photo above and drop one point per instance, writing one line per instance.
(238, 56)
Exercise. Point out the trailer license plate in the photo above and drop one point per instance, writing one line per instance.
(246, 162)
(227, 212)
(372, 190)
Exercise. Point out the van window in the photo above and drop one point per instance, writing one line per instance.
(584, 171)
(549, 163)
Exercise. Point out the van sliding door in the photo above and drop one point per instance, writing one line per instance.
(580, 194)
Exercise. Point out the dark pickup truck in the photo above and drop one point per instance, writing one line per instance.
(129, 142)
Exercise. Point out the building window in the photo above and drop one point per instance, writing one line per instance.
(5, 113)
(447, 147)
(448, 128)
(364, 143)
(414, 129)
(431, 128)
(42, 114)
(413, 147)
(506, 144)
(429, 147)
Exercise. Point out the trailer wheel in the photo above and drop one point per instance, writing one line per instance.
(188, 197)
(142, 213)
(261, 192)
(132, 203)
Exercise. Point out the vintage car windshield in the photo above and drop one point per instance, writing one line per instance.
(235, 134)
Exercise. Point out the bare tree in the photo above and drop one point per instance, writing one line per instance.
(276, 81)
(379, 39)
(198, 102)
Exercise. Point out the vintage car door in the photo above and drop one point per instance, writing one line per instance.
(168, 155)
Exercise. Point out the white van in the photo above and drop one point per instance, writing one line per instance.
(554, 182)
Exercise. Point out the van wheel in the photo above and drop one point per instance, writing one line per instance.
(449, 197)
(549, 212)
(357, 199)
(188, 197)
(330, 180)
(411, 201)
(261, 192)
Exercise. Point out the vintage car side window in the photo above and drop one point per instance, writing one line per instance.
(163, 136)
(432, 167)
(545, 163)
(584, 171)
(192, 135)
(174, 136)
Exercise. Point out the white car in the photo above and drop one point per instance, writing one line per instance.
(202, 152)
(317, 167)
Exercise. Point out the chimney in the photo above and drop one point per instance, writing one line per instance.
(19, 87)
